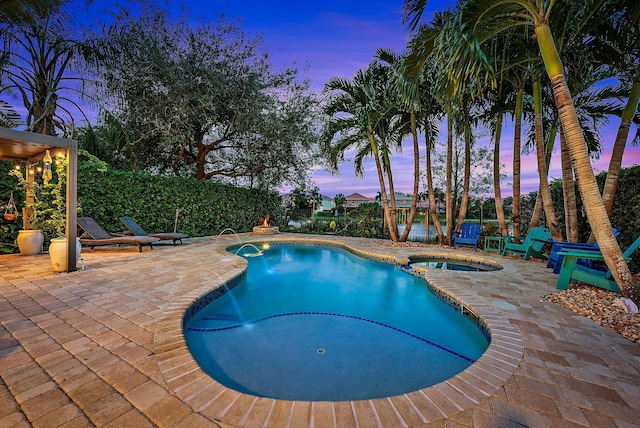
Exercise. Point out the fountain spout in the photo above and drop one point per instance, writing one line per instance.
(258, 252)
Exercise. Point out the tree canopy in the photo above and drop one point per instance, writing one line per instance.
(203, 100)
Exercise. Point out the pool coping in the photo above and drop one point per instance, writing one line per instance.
(483, 378)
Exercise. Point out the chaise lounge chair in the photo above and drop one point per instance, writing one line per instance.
(99, 236)
(468, 236)
(135, 230)
(531, 245)
(602, 277)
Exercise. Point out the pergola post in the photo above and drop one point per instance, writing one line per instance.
(72, 204)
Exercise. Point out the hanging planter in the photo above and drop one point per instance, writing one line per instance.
(10, 211)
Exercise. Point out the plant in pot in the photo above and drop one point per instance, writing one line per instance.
(45, 210)
(54, 211)
(31, 237)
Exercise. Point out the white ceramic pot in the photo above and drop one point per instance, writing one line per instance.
(58, 253)
(30, 241)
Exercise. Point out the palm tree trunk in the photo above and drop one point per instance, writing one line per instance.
(587, 185)
(537, 208)
(449, 185)
(432, 197)
(613, 173)
(467, 175)
(517, 135)
(504, 230)
(416, 178)
(547, 202)
(383, 188)
(568, 192)
(392, 192)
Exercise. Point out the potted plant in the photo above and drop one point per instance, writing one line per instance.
(45, 210)
(55, 213)
(31, 237)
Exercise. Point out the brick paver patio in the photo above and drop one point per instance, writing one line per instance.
(103, 347)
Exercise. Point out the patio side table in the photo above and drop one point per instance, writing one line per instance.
(493, 244)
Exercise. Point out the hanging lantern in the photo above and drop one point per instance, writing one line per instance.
(46, 173)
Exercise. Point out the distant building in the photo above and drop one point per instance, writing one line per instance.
(354, 200)
(327, 204)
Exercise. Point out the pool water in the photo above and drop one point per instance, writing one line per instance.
(318, 323)
(444, 263)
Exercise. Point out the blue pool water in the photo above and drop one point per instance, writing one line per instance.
(443, 263)
(317, 323)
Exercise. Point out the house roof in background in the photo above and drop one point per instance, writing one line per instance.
(357, 196)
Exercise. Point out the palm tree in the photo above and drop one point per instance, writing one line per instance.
(408, 88)
(537, 13)
(26, 11)
(45, 67)
(545, 192)
(460, 61)
(509, 13)
(618, 41)
(354, 117)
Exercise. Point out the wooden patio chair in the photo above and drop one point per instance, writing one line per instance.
(134, 229)
(468, 236)
(528, 246)
(98, 236)
(571, 270)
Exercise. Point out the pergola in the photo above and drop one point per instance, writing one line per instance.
(29, 147)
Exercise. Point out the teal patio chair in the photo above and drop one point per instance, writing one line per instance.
(529, 246)
(555, 260)
(572, 270)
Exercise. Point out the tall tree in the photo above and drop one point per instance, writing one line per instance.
(538, 13)
(46, 69)
(410, 105)
(203, 99)
(618, 44)
(356, 118)
(26, 11)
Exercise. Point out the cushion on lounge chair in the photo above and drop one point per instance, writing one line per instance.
(136, 230)
(99, 236)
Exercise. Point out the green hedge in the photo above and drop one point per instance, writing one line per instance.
(206, 208)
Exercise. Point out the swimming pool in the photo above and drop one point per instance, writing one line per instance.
(318, 323)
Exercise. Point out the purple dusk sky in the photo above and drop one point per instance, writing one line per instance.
(336, 38)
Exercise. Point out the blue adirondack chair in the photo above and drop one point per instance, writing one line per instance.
(555, 260)
(531, 245)
(571, 270)
(468, 236)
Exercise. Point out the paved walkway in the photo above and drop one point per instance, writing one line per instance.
(103, 347)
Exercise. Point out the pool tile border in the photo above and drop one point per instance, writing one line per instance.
(221, 404)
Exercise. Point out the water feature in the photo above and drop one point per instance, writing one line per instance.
(228, 229)
(319, 323)
(258, 252)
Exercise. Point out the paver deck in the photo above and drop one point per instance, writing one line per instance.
(104, 347)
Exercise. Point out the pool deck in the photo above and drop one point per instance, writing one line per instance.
(103, 347)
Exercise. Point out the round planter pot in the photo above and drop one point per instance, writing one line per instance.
(58, 253)
(30, 241)
(9, 216)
